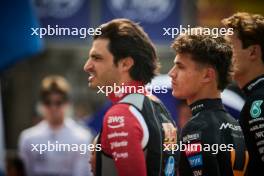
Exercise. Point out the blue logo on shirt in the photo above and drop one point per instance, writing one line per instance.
(169, 169)
(196, 160)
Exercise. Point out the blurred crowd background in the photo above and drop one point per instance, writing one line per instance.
(25, 60)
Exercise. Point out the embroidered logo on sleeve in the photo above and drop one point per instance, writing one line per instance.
(116, 122)
(255, 110)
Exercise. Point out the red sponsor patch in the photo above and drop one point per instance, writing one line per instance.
(193, 148)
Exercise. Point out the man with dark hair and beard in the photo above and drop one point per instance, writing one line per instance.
(137, 127)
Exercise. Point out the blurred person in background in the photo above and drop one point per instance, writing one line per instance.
(248, 60)
(82, 114)
(202, 69)
(137, 126)
(55, 128)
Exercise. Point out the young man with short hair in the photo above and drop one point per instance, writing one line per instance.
(53, 132)
(248, 59)
(214, 140)
(136, 128)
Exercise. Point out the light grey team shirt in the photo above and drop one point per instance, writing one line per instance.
(60, 152)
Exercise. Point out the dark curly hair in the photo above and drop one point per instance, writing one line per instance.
(207, 50)
(249, 28)
(128, 39)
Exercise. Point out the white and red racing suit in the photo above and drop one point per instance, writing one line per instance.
(135, 130)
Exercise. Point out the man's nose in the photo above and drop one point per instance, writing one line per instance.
(87, 65)
(172, 72)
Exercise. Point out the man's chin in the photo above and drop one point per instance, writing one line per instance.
(176, 94)
(92, 85)
(238, 77)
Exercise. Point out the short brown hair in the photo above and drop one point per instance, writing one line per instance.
(207, 50)
(249, 27)
(54, 84)
(128, 39)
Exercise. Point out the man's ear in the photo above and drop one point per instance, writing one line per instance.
(126, 63)
(255, 52)
(209, 75)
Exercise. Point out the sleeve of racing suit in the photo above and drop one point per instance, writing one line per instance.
(255, 123)
(122, 136)
(193, 160)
